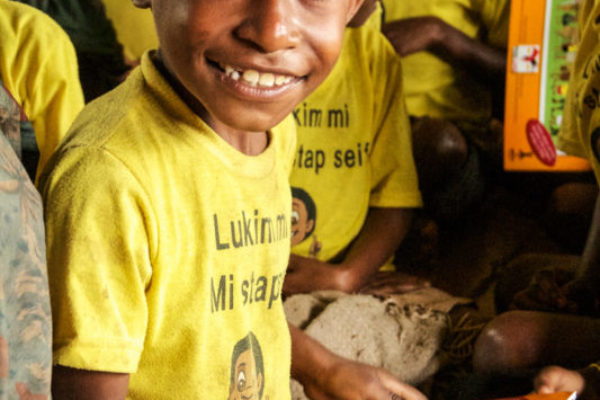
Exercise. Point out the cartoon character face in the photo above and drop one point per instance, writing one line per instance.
(248, 381)
(243, 65)
(302, 223)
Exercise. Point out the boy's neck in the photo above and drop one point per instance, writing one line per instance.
(247, 142)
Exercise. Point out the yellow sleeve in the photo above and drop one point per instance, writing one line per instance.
(39, 67)
(134, 27)
(495, 15)
(98, 227)
(590, 141)
(56, 95)
(394, 176)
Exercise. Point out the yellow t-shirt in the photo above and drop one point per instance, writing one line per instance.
(134, 27)
(354, 147)
(39, 68)
(580, 130)
(167, 247)
(434, 87)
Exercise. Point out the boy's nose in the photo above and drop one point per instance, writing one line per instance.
(271, 25)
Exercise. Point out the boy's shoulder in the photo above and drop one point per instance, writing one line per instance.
(108, 115)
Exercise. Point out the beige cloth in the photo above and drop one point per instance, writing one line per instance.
(402, 334)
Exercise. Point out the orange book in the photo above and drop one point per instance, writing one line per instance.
(542, 43)
(553, 396)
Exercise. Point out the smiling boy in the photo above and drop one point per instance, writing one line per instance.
(168, 209)
(366, 188)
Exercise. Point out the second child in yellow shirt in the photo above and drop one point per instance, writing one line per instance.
(38, 67)
(168, 212)
(354, 183)
(454, 61)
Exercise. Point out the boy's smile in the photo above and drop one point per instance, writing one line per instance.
(254, 78)
(243, 65)
(255, 83)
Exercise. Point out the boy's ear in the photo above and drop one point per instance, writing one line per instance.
(354, 6)
(142, 3)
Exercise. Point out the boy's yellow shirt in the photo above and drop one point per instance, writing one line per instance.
(354, 146)
(134, 27)
(434, 87)
(580, 130)
(38, 66)
(166, 247)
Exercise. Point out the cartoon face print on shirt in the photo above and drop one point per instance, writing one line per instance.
(304, 215)
(247, 370)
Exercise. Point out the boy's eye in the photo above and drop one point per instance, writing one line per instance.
(241, 385)
(295, 217)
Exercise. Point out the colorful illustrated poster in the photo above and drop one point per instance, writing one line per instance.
(542, 44)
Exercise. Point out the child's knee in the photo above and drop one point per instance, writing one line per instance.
(505, 344)
(439, 140)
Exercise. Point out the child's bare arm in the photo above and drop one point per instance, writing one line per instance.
(327, 376)
(431, 34)
(382, 232)
(70, 383)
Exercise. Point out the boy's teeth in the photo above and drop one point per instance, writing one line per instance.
(267, 80)
(280, 80)
(255, 78)
(251, 76)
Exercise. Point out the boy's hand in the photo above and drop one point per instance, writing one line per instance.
(393, 282)
(305, 275)
(412, 35)
(327, 376)
(351, 380)
(556, 379)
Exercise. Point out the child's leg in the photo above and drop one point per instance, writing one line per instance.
(440, 150)
(521, 340)
(449, 169)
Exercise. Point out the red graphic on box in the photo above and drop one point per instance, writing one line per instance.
(541, 142)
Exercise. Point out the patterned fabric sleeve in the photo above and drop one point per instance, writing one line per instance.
(25, 322)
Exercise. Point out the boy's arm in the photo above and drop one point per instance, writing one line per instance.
(70, 383)
(382, 232)
(327, 376)
(431, 34)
